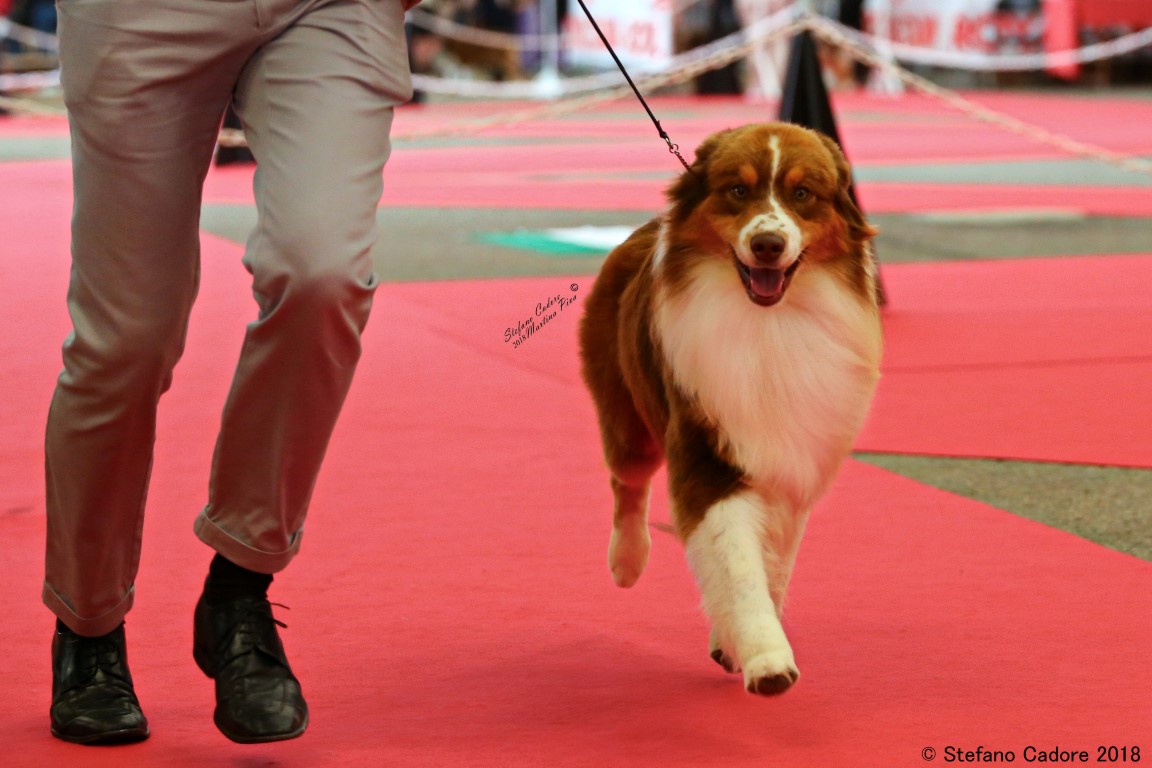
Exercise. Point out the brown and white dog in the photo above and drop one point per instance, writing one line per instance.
(737, 337)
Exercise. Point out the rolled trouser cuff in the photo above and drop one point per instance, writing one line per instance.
(88, 626)
(240, 553)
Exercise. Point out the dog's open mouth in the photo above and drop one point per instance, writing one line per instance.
(764, 285)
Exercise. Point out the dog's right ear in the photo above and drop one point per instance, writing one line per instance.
(859, 229)
(691, 188)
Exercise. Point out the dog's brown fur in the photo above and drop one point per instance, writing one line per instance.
(791, 186)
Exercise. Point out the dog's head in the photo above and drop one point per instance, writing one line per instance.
(771, 198)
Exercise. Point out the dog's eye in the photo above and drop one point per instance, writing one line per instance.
(739, 191)
(802, 193)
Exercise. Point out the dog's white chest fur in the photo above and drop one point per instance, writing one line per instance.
(786, 387)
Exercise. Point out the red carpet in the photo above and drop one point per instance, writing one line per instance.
(452, 606)
(1042, 359)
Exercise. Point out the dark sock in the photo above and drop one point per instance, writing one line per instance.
(64, 629)
(228, 581)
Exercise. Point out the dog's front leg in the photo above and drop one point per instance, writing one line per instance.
(728, 551)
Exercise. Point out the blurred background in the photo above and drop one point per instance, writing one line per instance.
(533, 48)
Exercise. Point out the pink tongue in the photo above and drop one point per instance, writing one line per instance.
(767, 282)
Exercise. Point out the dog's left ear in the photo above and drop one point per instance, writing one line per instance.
(691, 187)
(858, 228)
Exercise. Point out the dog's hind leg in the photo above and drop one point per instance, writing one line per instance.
(781, 545)
(633, 456)
(631, 451)
(727, 552)
(630, 541)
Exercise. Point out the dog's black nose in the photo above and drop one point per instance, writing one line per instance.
(767, 247)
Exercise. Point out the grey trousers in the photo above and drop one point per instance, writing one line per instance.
(146, 83)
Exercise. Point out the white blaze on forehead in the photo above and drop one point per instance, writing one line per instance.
(776, 220)
(774, 147)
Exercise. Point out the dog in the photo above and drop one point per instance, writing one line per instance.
(737, 338)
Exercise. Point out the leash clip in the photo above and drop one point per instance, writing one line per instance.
(675, 149)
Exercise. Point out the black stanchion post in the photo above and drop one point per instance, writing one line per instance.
(805, 102)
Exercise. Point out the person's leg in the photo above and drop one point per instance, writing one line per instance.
(144, 113)
(144, 87)
(317, 105)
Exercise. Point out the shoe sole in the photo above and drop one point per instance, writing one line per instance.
(265, 739)
(126, 736)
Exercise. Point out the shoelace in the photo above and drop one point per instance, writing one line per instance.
(96, 655)
(246, 634)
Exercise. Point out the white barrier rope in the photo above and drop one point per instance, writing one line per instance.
(487, 38)
(835, 34)
(703, 59)
(721, 53)
(757, 34)
(33, 38)
(911, 54)
(27, 107)
(1004, 62)
(681, 68)
(29, 81)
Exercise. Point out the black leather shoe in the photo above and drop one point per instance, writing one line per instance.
(93, 701)
(258, 699)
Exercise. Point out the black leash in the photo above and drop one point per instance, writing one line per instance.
(673, 148)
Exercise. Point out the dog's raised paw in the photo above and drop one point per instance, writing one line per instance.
(771, 686)
(626, 575)
(628, 555)
(770, 674)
